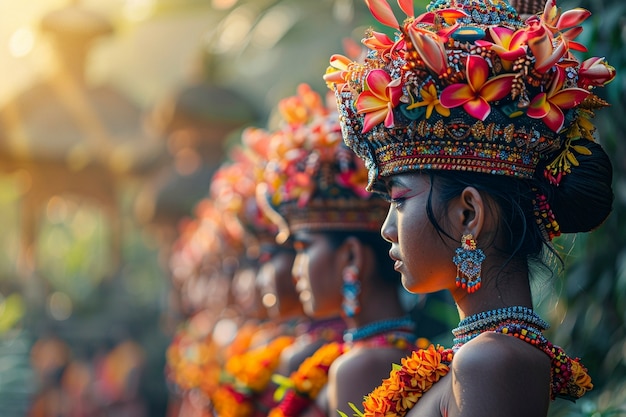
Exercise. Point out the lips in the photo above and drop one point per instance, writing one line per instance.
(398, 262)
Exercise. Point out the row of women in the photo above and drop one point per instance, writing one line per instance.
(447, 158)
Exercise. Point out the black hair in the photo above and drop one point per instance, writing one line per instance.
(380, 247)
(580, 203)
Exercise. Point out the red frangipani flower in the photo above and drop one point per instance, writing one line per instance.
(479, 91)
(548, 105)
(378, 99)
(507, 44)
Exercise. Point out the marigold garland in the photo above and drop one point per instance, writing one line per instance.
(407, 382)
(304, 385)
(192, 363)
(247, 375)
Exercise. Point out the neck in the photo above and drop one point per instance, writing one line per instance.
(501, 288)
(377, 304)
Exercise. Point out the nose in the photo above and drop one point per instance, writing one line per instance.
(389, 229)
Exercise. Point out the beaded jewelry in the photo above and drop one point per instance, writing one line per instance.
(468, 261)
(569, 377)
(425, 367)
(405, 324)
(350, 291)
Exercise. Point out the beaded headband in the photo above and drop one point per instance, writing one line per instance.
(468, 86)
(312, 180)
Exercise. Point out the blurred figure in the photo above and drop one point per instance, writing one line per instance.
(316, 188)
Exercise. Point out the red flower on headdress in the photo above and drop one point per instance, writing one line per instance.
(595, 72)
(479, 90)
(379, 98)
(548, 106)
(507, 44)
(381, 43)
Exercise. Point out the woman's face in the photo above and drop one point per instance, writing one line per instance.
(276, 283)
(420, 254)
(318, 273)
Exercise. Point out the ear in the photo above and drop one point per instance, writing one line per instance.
(354, 253)
(469, 211)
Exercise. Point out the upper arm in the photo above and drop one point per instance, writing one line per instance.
(497, 375)
(354, 375)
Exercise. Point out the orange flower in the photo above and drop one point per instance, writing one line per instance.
(407, 383)
(581, 378)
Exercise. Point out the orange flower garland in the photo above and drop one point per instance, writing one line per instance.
(304, 385)
(406, 383)
(245, 376)
(192, 363)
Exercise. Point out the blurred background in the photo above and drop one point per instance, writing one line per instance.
(113, 117)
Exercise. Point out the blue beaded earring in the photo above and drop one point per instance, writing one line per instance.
(468, 260)
(350, 291)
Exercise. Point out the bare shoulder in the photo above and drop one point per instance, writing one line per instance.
(372, 363)
(356, 373)
(495, 375)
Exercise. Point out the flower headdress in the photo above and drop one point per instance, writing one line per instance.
(312, 180)
(233, 187)
(469, 86)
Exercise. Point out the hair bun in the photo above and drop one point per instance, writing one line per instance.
(584, 197)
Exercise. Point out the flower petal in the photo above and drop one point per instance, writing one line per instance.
(497, 87)
(554, 119)
(546, 56)
(367, 102)
(501, 35)
(431, 50)
(377, 81)
(477, 71)
(374, 118)
(573, 17)
(478, 108)
(456, 95)
(539, 106)
(568, 98)
(407, 7)
(389, 117)
(382, 12)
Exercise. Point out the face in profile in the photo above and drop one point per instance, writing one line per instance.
(276, 283)
(421, 255)
(318, 274)
(246, 294)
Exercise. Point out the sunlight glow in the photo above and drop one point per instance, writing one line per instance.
(21, 42)
(138, 10)
(273, 26)
(235, 29)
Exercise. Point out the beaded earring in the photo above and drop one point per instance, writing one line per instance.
(350, 291)
(468, 261)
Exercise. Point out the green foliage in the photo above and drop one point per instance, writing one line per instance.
(592, 293)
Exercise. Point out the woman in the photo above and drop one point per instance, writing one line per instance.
(315, 186)
(476, 126)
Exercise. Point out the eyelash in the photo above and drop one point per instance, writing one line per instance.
(397, 202)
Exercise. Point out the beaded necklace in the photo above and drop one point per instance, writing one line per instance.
(425, 367)
(569, 377)
(401, 326)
